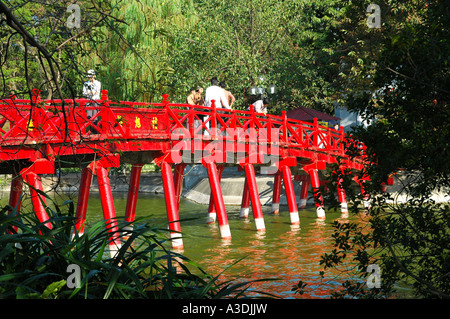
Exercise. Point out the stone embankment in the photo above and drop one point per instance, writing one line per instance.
(196, 186)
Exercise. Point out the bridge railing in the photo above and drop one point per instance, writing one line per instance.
(71, 120)
(187, 120)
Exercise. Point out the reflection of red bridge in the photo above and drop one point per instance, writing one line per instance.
(36, 133)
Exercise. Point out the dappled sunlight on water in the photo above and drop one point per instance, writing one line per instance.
(284, 252)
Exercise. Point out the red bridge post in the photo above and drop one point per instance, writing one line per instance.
(276, 193)
(342, 198)
(212, 214)
(133, 191)
(304, 192)
(179, 171)
(254, 195)
(290, 194)
(39, 203)
(245, 204)
(318, 199)
(109, 212)
(216, 191)
(83, 198)
(171, 205)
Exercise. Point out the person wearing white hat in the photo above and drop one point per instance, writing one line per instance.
(91, 90)
(92, 87)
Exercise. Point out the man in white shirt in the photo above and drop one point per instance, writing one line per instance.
(214, 92)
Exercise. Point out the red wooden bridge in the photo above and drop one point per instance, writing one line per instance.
(35, 134)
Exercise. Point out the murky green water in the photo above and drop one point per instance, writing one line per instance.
(290, 254)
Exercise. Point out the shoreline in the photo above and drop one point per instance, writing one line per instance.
(196, 186)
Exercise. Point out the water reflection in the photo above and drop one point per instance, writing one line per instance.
(288, 252)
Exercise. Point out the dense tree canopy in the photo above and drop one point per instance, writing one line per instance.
(401, 83)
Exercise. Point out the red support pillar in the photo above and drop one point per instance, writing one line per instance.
(109, 212)
(245, 204)
(16, 192)
(318, 199)
(212, 214)
(342, 198)
(254, 195)
(133, 191)
(15, 195)
(304, 192)
(178, 180)
(290, 195)
(38, 201)
(216, 191)
(276, 194)
(171, 206)
(83, 198)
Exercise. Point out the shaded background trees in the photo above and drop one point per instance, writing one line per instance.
(401, 79)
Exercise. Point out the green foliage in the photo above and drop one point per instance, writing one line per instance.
(51, 67)
(142, 49)
(290, 43)
(317, 54)
(132, 57)
(34, 261)
(398, 77)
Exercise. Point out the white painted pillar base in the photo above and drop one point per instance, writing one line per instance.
(177, 241)
(295, 220)
(320, 211)
(244, 212)
(225, 232)
(275, 208)
(72, 237)
(260, 226)
(114, 249)
(126, 232)
(211, 218)
(302, 203)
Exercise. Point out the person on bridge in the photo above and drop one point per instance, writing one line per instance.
(261, 105)
(199, 100)
(229, 96)
(92, 87)
(91, 90)
(215, 92)
(191, 97)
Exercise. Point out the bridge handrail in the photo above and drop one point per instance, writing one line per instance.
(40, 121)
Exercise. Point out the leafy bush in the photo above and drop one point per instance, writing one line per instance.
(34, 262)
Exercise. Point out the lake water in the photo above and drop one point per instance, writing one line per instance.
(283, 251)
